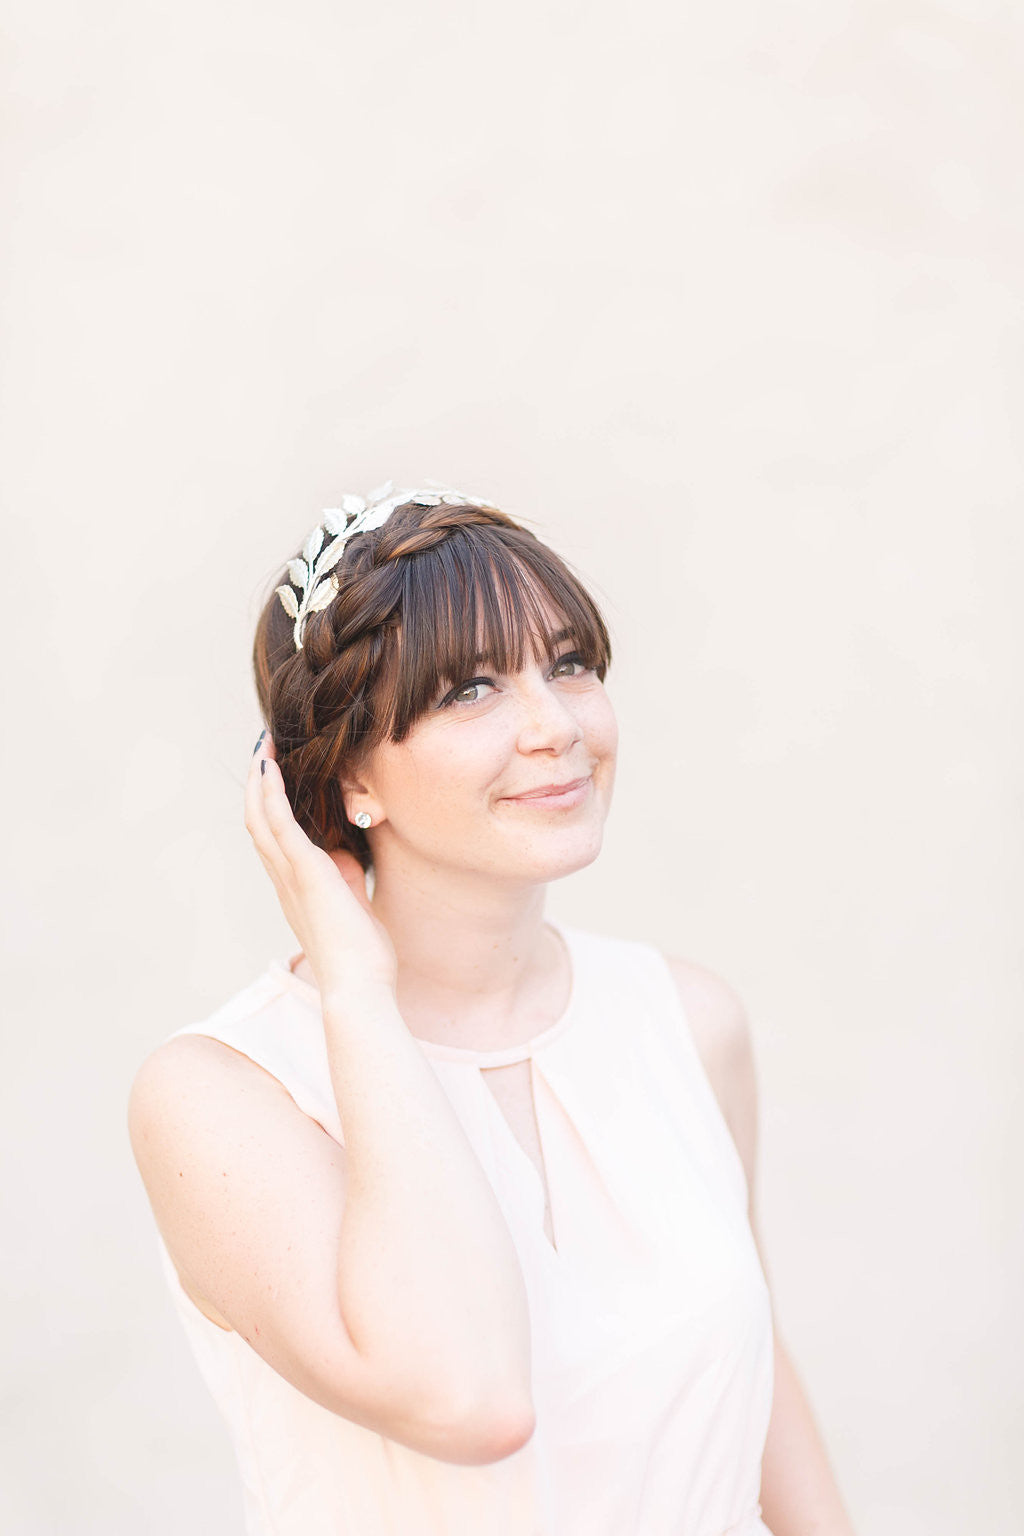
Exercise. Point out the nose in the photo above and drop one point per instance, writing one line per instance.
(548, 724)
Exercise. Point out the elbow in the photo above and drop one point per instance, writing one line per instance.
(487, 1433)
(509, 1434)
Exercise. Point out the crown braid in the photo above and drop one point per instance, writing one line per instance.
(341, 654)
(404, 536)
(351, 685)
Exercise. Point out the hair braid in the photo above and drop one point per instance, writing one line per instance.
(371, 660)
(402, 535)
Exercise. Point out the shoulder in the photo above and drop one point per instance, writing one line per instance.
(190, 1070)
(216, 1138)
(193, 1066)
(720, 1027)
(190, 1089)
(187, 1060)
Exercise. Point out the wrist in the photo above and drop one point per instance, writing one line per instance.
(351, 1000)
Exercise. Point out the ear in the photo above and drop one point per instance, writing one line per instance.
(357, 794)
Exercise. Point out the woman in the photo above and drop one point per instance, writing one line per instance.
(456, 1203)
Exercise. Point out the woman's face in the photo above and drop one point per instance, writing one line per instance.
(450, 794)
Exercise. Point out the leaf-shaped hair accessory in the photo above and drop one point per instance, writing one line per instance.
(289, 601)
(322, 595)
(356, 514)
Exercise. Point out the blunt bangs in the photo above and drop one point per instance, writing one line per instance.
(435, 596)
(471, 601)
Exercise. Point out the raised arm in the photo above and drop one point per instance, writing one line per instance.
(380, 1278)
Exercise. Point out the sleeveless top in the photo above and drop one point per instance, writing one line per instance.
(652, 1350)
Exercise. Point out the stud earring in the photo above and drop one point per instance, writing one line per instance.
(363, 819)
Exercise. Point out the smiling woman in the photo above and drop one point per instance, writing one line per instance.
(455, 1202)
(426, 598)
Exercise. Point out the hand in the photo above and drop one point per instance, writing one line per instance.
(323, 895)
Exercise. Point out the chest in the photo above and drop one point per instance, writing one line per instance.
(512, 1089)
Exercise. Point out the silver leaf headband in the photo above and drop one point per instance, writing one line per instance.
(357, 514)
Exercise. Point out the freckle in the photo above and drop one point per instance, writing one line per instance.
(180, 1174)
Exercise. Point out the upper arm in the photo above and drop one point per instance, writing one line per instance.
(720, 1026)
(248, 1193)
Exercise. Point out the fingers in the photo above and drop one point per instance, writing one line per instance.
(280, 842)
(287, 833)
(268, 814)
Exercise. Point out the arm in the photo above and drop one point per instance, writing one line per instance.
(799, 1495)
(380, 1279)
(391, 1298)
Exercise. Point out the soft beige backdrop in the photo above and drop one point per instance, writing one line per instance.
(728, 299)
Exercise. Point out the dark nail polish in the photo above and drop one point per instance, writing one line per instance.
(258, 740)
(263, 766)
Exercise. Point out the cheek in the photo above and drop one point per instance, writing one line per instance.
(456, 777)
(602, 727)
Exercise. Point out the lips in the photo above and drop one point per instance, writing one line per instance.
(551, 789)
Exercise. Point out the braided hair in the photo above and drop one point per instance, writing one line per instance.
(421, 601)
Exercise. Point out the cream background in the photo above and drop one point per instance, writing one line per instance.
(728, 299)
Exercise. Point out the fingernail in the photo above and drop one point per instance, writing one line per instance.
(259, 739)
(263, 766)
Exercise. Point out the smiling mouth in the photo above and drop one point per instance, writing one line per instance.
(565, 796)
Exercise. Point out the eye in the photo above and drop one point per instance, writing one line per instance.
(576, 659)
(572, 658)
(455, 696)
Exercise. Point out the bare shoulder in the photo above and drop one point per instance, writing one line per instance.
(187, 1081)
(214, 1136)
(717, 1017)
(193, 1091)
(720, 1025)
(195, 1059)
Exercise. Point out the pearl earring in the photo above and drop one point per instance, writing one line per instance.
(363, 819)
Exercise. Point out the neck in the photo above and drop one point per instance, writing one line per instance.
(478, 966)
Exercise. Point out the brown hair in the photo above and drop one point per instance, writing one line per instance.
(415, 597)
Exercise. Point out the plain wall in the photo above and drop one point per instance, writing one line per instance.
(728, 300)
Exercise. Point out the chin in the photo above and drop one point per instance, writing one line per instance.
(560, 855)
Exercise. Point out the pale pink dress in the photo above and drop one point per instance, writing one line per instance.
(651, 1324)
